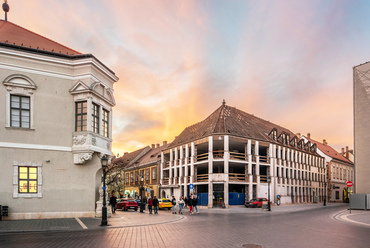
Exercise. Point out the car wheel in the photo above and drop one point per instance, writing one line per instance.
(169, 208)
(135, 209)
(123, 208)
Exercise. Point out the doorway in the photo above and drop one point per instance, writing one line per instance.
(218, 195)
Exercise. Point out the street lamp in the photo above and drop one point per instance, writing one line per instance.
(104, 165)
(141, 193)
(325, 194)
(268, 183)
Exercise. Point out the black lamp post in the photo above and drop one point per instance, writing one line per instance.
(268, 182)
(325, 194)
(104, 165)
(141, 194)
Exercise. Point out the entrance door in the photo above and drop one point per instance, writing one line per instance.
(218, 195)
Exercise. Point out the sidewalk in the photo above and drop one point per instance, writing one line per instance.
(131, 218)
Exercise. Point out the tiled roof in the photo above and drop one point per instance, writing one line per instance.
(152, 156)
(329, 151)
(13, 34)
(230, 121)
(127, 159)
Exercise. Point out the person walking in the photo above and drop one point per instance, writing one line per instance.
(150, 205)
(190, 203)
(195, 203)
(181, 204)
(155, 205)
(186, 202)
(173, 205)
(113, 202)
(142, 204)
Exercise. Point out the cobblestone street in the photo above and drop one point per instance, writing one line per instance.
(309, 227)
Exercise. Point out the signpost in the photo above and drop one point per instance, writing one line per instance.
(349, 184)
(191, 187)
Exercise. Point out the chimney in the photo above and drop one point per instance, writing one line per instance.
(125, 153)
(153, 146)
(324, 142)
(342, 151)
(309, 135)
(347, 152)
(164, 143)
(157, 145)
(298, 135)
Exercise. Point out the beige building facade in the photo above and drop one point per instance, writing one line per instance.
(55, 125)
(361, 103)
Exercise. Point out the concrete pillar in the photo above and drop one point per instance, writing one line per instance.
(256, 151)
(210, 170)
(170, 179)
(192, 163)
(180, 164)
(226, 170)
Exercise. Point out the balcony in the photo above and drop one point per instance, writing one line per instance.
(202, 157)
(264, 159)
(218, 154)
(165, 181)
(237, 156)
(237, 177)
(202, 178)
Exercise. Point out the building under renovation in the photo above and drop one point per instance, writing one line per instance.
(233, 156)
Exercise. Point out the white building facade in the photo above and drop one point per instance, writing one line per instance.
(229, 157)
(55, 125)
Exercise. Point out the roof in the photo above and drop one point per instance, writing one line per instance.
(230, 121)
(127, 159)
(152, 156)
(329, 151)
(13, 34)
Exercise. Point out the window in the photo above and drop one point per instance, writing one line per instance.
(27, 178)
(81, 116)
(105, 120)
(20, 111)
(126, 177)
(154, 176)
(95, 118)
(136, 176)
(147, 175)
(132, 177)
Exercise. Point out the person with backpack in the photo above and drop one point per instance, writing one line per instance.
(173, 205)
(195, 203)
(150, 205)
(190, 203)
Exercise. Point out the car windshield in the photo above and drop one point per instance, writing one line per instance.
(166, 200)
(254, 200)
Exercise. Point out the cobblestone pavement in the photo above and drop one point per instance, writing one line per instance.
(311, 226)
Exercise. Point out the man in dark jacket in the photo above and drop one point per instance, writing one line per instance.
(155, 205)
(195, 203)
(113, 202)
(173, 205)
(142, 204)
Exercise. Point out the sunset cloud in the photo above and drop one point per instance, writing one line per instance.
(289, 62)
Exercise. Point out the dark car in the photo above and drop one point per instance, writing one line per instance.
(126, 204)
(256, 202)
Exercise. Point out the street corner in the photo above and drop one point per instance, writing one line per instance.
(357, 217)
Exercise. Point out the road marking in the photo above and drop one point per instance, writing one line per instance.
(81, 223)
(344, 217)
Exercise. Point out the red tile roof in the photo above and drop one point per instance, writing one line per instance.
(13, 34)
(152, 156)
(329, 151)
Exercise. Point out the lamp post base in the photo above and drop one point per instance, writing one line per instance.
(104, 221)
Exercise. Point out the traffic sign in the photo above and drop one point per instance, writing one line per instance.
(349, 184)
(191, 186)
(148, 190)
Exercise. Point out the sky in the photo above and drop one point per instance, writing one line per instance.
(289, 62)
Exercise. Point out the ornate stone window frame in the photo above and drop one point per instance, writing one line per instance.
(16, 166)
(17, 84)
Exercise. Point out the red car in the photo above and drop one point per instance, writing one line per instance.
(255, 203)
(126, 204)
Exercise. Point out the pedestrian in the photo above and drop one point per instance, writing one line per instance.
(173, 205)
(142, 204)
(195, 203)
(155, 205)
(181, 204)
(113, 202)
(190, 203)
(186, 202)
(150, 205)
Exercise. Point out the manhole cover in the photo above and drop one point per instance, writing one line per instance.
(251, 246)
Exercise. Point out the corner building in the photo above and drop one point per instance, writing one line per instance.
(55, 125)
(228, 157)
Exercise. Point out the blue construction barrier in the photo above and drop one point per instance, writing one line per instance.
(236, 198)
(202, 199)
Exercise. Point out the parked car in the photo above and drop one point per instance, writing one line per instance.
(164, 203)
(255, 203)
(126, 204)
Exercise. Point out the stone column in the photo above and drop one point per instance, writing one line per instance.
(210, 171)
(226, 170)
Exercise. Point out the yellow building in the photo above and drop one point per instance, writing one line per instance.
(142, 176)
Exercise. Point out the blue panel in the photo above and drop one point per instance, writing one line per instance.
(202, 199)
(236, 198)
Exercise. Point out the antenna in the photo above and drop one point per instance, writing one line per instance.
(6, 9)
